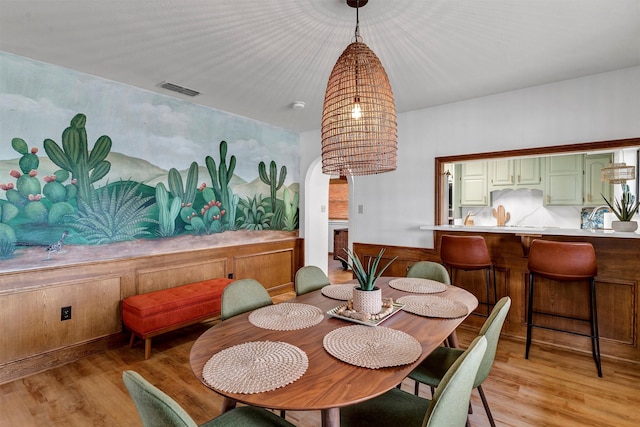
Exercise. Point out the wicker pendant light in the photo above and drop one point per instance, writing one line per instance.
(618, 173)
(359, 130)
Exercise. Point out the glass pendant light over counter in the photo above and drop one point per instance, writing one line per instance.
(359, 130)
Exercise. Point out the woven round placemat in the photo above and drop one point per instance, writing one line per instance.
(433, 306)
(287, 316)
(339, 292)
(417, 285)
(372, 347)
(255, 367)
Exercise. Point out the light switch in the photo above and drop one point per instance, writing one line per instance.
(323, 208)
(360, 209)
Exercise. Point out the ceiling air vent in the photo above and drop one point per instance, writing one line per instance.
(179, 89)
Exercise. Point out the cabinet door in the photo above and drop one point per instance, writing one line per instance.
(595, 188)
(564, 180)
(473, 184)
(502, 173)
(528, 171)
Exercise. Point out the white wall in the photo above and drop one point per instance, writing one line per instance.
(594, 108)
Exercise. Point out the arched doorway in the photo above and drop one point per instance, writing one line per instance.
(316, 215)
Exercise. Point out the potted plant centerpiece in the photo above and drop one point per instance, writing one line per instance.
(367, 297)
(624, 210)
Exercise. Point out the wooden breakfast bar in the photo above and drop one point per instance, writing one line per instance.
(618, 295)
(328, 382)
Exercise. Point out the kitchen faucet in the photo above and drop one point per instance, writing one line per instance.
(592, 216)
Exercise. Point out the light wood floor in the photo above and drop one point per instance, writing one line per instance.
(552, 388)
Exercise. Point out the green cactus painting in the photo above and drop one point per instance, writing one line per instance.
(221, 176)
(86, 168)
(272, 179)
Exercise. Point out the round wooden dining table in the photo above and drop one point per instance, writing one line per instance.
(328, 383)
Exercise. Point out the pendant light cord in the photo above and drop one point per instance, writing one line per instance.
(357, 34)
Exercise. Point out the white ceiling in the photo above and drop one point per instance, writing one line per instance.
(255, 58)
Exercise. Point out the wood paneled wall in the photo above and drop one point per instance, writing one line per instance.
(34, 337)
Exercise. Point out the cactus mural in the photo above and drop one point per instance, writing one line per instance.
(43, 204)
(86, 168)
(272, 179)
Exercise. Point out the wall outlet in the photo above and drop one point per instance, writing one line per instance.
(65, 313)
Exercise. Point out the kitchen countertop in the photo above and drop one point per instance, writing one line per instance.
(544, 231)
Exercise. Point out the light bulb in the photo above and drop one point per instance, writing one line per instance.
(356, 112)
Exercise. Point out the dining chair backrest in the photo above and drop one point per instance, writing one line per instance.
(310, 278)
(154, 406)
(241, 296)
(429, 270)
(491, 331)
(450, 403)
(157, 409)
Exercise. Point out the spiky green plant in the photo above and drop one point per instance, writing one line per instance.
(7, 241)
(253, 215)
(625, 208)
(367, 277)
(115, 213)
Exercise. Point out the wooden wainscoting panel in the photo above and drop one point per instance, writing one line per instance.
(164, 277)
(617, 325)
(274, 269)
(33, 317)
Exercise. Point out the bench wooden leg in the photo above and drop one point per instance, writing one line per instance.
(147, 348)
(132, 340)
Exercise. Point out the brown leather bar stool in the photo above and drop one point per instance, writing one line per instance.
(469, 253)
(564, 262)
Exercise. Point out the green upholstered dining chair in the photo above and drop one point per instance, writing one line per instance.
(429, 270)
(433, 271)
(435, 366)
(241, 296)
(310, 278)
(157, 409)
(448, 407)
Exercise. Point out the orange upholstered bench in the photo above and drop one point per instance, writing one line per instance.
(154, 313)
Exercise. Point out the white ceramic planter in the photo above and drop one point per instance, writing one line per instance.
(625, 226)
(367, 301)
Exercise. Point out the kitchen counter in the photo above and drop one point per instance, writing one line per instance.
(541, 231)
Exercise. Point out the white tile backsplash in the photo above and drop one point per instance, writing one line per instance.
(526, 208)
